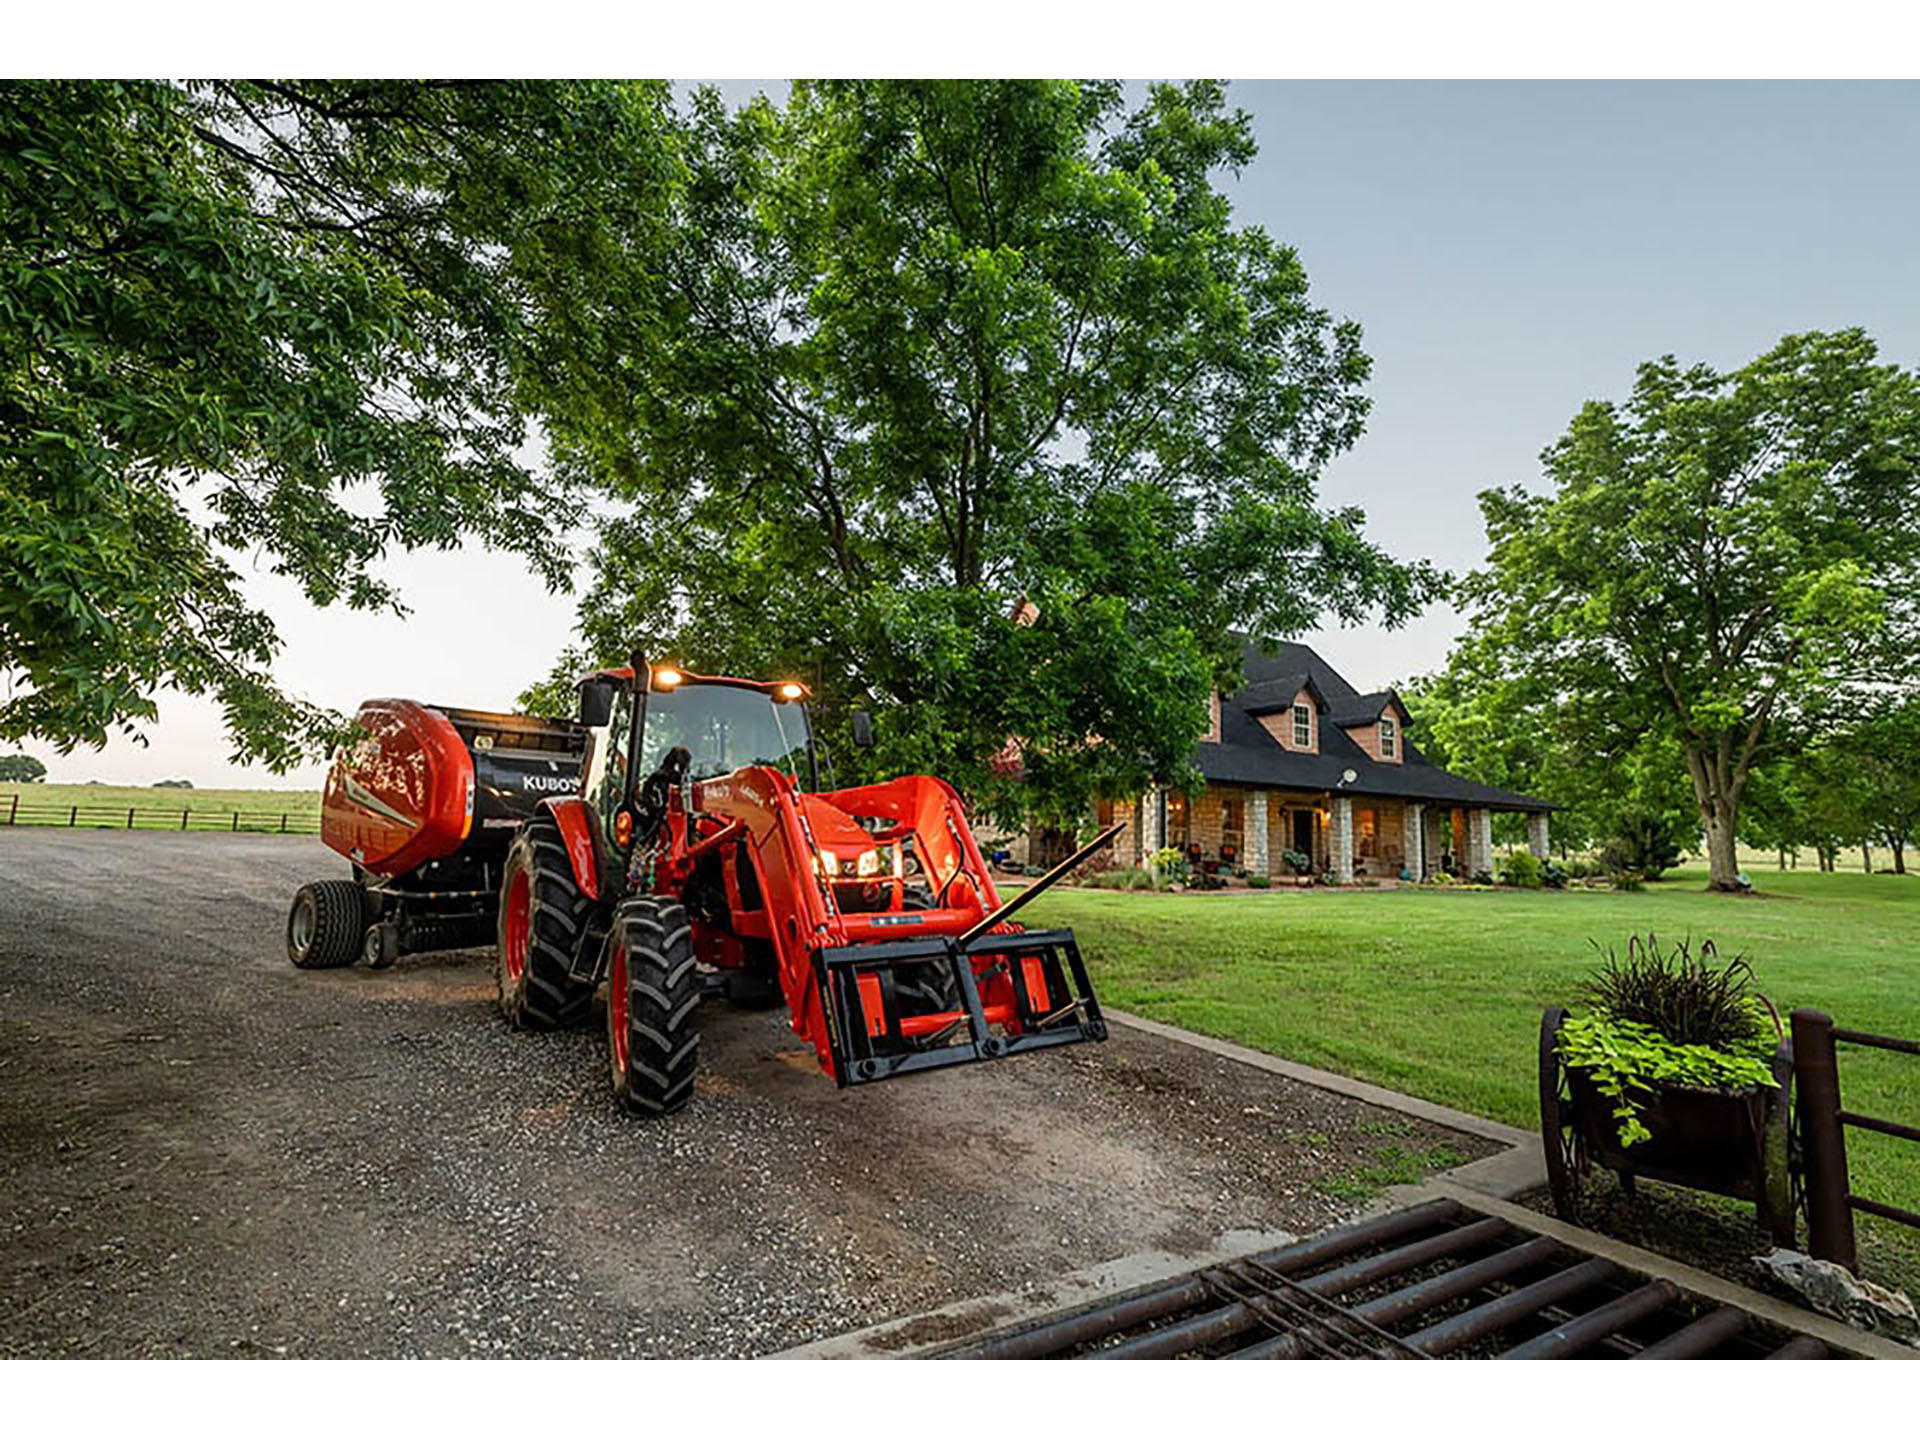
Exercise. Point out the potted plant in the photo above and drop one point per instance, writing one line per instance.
(1301, 864)
(1676, 1070)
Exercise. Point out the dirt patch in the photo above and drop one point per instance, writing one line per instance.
(207, 1152)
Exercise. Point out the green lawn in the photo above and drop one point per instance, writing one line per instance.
(1439, 992)
(106, 807)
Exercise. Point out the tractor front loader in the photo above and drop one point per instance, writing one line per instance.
(695, 862)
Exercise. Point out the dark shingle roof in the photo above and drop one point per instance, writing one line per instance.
(1247, 755)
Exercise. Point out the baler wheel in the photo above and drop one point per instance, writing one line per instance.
(543, 917)
(325, 925)
(653, 999)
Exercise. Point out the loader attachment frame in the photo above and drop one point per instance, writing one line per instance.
(1033, 993)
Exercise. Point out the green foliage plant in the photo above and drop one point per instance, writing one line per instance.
(1298, 861)
(1668, 1018)
(1629, 1062)
(1521, 869)
(1258, 882)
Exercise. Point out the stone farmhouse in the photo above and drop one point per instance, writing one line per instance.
(1298, 760)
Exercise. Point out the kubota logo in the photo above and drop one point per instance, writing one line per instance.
(546, 782)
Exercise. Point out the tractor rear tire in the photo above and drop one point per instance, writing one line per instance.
(325, 925)
(543, 922)
(653, 1000)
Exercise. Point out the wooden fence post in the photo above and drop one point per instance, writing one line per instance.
(283, 822)
(183, 818)
(1816, 1083)
(236, 822)
(73, 816)
(129, 817)
(14, 813)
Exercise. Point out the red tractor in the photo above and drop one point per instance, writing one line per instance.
(700, 856)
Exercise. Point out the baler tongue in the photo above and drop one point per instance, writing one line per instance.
(1017, 991)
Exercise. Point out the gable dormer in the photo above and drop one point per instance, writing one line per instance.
(1377, 723)
(1291, 710)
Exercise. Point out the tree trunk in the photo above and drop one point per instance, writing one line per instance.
(1899, 857)
(1723, 861)
(1716, 789)
(1866, 857)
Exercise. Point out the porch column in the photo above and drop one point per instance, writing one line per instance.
(1256, 857)
(1433, 842)
(1537, 835)
(1153, 823)
(1340, 839)
(1414, 835)
(1479, 843)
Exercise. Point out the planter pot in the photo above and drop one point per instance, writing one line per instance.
(1728, 1143)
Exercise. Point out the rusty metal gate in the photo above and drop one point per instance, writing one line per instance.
(1439, 1279)
(1823, 1138)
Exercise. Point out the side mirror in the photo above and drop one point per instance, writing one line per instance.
(596, 702)
(862, 729)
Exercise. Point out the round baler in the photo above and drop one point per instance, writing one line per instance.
(424, 806)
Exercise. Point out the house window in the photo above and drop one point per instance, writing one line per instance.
(1387, 738)
(1367, 823)
(1229, 825)
(1303, 727)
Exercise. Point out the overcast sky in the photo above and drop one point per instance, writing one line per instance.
(1512, 250)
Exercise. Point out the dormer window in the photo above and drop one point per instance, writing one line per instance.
(1387, 738)
(1303, 727)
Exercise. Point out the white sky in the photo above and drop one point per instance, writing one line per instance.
(1511, 250)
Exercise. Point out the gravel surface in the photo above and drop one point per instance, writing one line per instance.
(207, 1152)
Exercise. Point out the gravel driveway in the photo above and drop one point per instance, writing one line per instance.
(206, 1152)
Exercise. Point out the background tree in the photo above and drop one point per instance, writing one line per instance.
(284, 319)
(1725, 552)
(924, 351)
(22, 769)
(1515, 732)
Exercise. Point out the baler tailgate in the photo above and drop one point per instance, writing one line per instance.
(1017, 992)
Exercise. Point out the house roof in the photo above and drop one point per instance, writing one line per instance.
(1247, 755)
(1367, 709)
(1266, 696)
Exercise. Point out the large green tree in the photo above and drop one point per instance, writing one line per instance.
(1722, 559)
(929, 356)
(284, 321)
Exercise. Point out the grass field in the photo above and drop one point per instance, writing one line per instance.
(153, 808)
(1439, 992)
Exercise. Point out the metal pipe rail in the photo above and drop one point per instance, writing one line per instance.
(1824, 1122)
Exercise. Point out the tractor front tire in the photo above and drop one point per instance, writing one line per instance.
(653, 1000)
(325, 925)
(543, 921)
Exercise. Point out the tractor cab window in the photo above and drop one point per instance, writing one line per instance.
(613, 777)
(723, 727)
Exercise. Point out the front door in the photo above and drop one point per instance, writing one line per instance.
(1303, 832)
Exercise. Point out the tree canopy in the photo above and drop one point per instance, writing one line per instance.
(1726, 562)
(22, 769)
(969, 402)
(288, 322)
